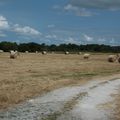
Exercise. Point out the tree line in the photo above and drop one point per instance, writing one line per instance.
(33, 47)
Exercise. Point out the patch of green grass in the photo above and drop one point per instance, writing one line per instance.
(78, 75)
(104, 72)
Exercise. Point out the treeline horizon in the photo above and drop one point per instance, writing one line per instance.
(33, 47)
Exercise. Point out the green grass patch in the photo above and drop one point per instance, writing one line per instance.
(78, 75)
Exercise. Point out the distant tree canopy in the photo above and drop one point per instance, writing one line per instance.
(32, 47)
(7, 46)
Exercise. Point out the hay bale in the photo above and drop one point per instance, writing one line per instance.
(1, 51)
(119, 59)
(13, 54)
(18, 53)
(66, 53)
(86, 56)
(111, 58)
(26, 51)
(44, 52)
(79, 53)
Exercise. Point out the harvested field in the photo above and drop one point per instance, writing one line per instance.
(116, 111)
(34, 74)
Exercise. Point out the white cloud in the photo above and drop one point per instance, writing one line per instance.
(56, 7)
(51, 36)
(2, 35)
(71, 40)
(51, 26)
(88, 38)
(78, 11)
(3, 23)
(85, 7)
(70, 7)
(85, 13)
(26, 30)
(112, 41)
(96, 4)
(101, 39)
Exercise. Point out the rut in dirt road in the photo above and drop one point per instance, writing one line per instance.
(86, 102)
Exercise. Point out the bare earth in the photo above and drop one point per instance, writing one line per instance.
(31, 75)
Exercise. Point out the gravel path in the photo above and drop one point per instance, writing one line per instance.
(87, 102)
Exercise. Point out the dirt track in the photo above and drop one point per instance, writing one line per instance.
(92, 101)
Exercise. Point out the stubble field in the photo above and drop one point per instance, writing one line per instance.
(33, 74)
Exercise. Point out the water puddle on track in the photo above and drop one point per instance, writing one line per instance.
(71, 103)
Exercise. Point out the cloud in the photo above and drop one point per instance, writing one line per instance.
(101, 39)
(97, 4)
(23, 30)
(51, 36)
(4, 2)
(56, 7)
(51, 26)
(72, 40)
(3, 23)
(74, 9)
(112, 41)
(26, 30)
(78, 11)
(86, 7)
(70, 7)
(88, 38)
(2, 34)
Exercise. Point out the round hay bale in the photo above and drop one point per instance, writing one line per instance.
(44, 52)
(86, 56)
(66, 53)
(111, 58)
(119, 59)
(1, 51)
(79, 53)
(26, 51)
(13, 55)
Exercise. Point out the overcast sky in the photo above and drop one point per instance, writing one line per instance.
(60, 21)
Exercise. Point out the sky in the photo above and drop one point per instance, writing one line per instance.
(60, 21)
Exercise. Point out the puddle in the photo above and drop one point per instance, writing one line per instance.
(66, 103)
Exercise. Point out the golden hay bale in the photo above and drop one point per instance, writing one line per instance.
(13, 54)
(44, 52)
(66, 53)
(26, 51)
(111, 58)
(119, 59)
(52, 52)
(1, 51)
(86, 56)
(79, 53)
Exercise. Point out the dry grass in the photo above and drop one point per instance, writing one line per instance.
(116, 112)
(34, 74)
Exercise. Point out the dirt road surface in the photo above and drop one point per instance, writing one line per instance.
(92, 101)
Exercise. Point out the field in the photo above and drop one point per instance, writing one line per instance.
(34, 74)
(116, 110)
